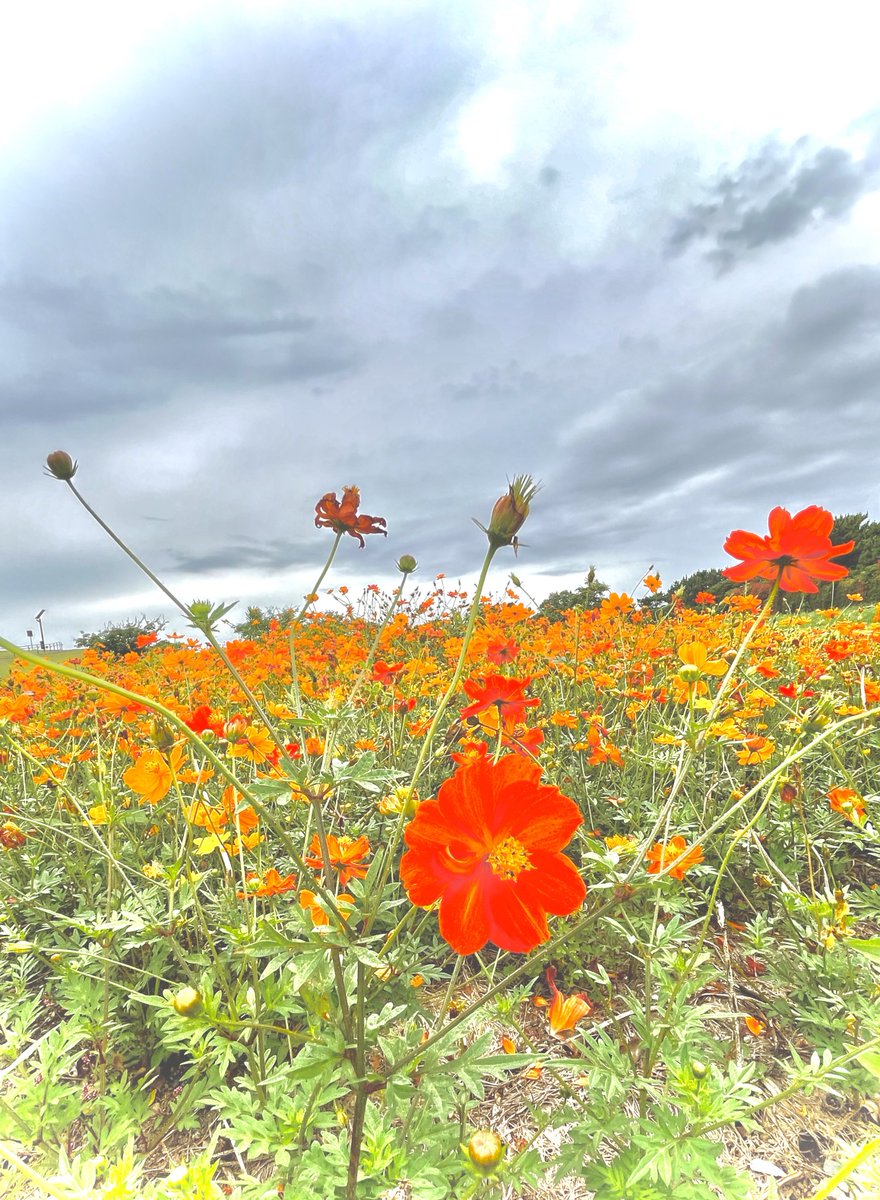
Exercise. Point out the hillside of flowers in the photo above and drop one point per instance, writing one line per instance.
(423, 894)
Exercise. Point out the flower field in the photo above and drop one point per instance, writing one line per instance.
(425, 894)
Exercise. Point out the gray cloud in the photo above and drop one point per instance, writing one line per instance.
(772, 196)
(263, 267)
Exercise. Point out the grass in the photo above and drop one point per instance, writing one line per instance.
(6, 660)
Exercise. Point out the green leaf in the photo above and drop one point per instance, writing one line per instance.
(870, 947)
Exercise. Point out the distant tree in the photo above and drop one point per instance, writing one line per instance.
(123, 638)
(258, 621)
(588, 595)
(710, 579)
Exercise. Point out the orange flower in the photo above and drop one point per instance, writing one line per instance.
(488, 848)
(848, 803)
(11, 837)
(346, 855)
(251, 743)
(502, 651)
(756, 750)
(342, 515)
(653, 583)
(704, 598)
(565, 1011)
(152, 774)
(797, 551)
(663, 853)
(502, 692)
(616, 604)
(272, 885)
(754, 1026)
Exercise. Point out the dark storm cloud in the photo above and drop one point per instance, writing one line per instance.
(772, 196)
(113, 346)
(274, 554)
(782, 417)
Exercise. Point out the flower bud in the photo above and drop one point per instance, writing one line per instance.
(187, 1002)
(511, 510)
(61, 465)
(699, 1070)
(162, 737)
(485, 1150)
(689, 673)
(406, 564)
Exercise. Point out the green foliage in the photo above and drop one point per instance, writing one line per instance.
(122, 639)
(588, 595)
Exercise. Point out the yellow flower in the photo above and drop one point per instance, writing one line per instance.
(695, 654)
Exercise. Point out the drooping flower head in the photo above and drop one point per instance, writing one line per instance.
(342, 515)
(489, 849)
(565, 1011)
(797, 551)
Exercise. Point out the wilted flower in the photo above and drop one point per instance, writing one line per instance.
(342, 515)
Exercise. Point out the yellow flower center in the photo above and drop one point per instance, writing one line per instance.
(509, 858)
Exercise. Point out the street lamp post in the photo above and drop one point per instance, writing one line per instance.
(39, 620)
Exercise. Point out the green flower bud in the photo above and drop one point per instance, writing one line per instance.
(406, 564)
(699, 1070)
(510, 511)
(689, 673)
(485, 1151)
(61, 465)
(187, 1002)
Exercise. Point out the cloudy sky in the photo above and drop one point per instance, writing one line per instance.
(253, 252)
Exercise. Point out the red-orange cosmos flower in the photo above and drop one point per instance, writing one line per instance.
(501, 692)
(342, 515)
(346, 855)
(488, 848)
(797, 551)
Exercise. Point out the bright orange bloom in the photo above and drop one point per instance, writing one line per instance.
(252, 743)
(342, 515)
(754, 1026)
(346, 855)
(653, 583)
(616, 604)
(704, 598)
(272, 885)
(848, 803)
(152, 774)
(756, 750)
(488, 848)
(501, 692)
(797, 551)
(565, 1011)
(663, 853)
